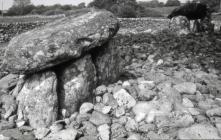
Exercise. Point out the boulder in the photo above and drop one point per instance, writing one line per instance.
(124, 99)
(66, 134)
(199, 131)
(186, 88)
(76, 82)
(15, 134)
(180, 25)
(59, 41)
(108, 62)
(99, 118)
(38, 100)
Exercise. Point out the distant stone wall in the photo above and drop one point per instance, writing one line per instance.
(9, 30)
(13, 25)
(127, 25)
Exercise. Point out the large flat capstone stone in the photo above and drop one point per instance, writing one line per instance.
(60, 41)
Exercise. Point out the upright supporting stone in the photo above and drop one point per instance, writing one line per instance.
(76, 82)
(38, 100)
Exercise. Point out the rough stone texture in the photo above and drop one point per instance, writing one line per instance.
(108, 62)
(104, 132)
(180, 25)
(15, 134)
(8, 103)
(59, 41)
(186, 88)
(86, 108)
(76, 83)
(67, 134)
(38, 100)
(199, 131)
(8, 82)
(118, 131)
(99, 118)
(124, 99)
(214, 112)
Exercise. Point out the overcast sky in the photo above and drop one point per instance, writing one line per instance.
(8, 3)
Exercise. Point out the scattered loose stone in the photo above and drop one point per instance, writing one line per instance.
(90, 137)
(99, 118)
(143, 84)
(185, 120)
(146, 95)
(122, 120)
(108, 99)
(124, 99)
(4, 138)
(126, 84)
(89, 128)
(6, 125)
(26, 129)
(15, 134)
(120, 111)
(8, 104)
(134, 137)
(20, 123)
(153, 114)
(141, 109)
(194, 111)
(187, 103)
(199, 131)
(99, 107)
(214, 112)
(40, 133)
(73, 116)
(104, 132)
(145, 128)
(186, 88)
(12, 119)
(66, 134)
(207, 104)
(118, 131)
(106, 109)
(98, 99)
(101, 90)
(8, 82)
(86, 108)
(56, 127)
(83, 117)
(131, 125)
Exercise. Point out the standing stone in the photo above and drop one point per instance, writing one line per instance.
(38, 100)
(180, 25)
(76, 82)
(59, 41)
(108, 62)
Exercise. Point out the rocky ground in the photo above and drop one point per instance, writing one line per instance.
(171, 89)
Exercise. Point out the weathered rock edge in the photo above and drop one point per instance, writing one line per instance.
(55, 43)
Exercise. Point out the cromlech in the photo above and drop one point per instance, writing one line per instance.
(110, 69)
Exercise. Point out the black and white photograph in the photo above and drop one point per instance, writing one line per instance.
(110, 69)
